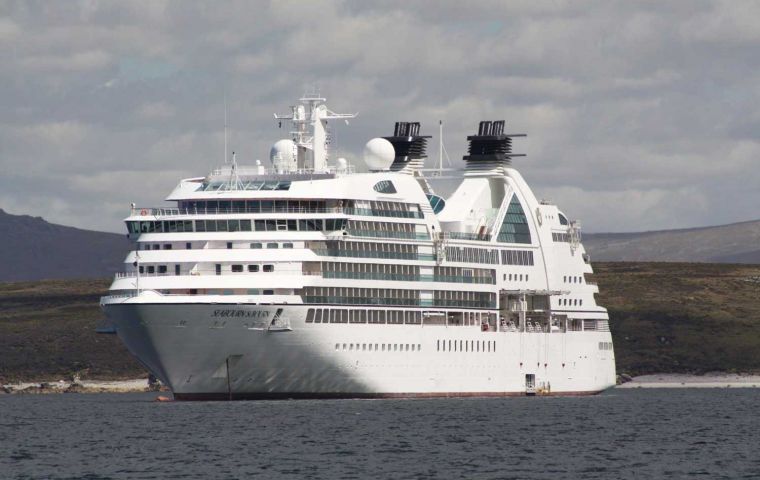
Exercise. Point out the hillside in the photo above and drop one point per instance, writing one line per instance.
(35, 249)
(665, 317)
(47, 332)
(734, 243)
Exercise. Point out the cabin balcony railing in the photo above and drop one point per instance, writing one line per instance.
(180, 212)
(468, 236)
(407, 277)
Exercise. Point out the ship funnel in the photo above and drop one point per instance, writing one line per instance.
(410, 147)
(490, 151)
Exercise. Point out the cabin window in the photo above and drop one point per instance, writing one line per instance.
(268, 268)
(253, 268)
(237, 268)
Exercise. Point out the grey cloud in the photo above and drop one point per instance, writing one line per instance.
(639, 115)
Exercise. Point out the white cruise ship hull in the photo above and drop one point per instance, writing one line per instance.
(230, 351)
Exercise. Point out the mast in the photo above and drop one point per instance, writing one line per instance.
(225, 128)
(309, 133)
(440, 147)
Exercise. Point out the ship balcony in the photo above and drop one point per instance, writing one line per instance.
(360, 212)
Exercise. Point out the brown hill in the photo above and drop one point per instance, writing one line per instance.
(34, 249)
(734, 243)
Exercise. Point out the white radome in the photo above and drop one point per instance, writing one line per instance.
(283, 155)
(379, 154)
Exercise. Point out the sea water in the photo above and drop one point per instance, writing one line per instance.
(652, 433)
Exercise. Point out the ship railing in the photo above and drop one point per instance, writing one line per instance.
(484, 237)
(405, 277)
(207, 272)
(180, 212)
(263, 170)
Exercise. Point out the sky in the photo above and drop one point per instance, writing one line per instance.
(639, 115)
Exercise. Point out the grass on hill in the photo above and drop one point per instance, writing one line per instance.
(47, 332)
(682, 317)
(664, 317)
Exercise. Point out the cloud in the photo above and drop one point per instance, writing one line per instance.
(638, 115)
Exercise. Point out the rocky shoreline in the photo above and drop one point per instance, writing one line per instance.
(677, 380)
(82, 386)
(141, 385)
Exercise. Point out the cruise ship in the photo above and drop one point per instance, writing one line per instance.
(304, 278)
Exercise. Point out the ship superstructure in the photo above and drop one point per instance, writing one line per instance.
(307, 279)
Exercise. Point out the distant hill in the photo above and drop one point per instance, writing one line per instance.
(734, 243)
(34, 249)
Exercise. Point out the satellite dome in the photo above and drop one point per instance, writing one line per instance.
(283, 155)
(379, 154)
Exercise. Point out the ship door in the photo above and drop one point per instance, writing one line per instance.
(530, 384)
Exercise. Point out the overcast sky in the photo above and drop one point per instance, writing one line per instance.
(639, 115)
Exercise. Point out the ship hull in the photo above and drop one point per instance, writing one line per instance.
(233, 351)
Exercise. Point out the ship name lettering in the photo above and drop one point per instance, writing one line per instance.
(224, 313)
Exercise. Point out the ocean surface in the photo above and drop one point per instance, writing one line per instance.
(647, 433)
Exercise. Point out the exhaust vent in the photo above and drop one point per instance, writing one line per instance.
(410, 146)
(491, 143)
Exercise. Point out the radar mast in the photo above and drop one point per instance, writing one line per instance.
(309, 130)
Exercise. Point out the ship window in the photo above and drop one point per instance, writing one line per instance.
(162, 269)
(156, 246)
(237, 268)
(253, 268)
(141, 269)
(151, 269)
(287, 245)
(218, 268)
(514, 228)
(229, 245)
(176, 269)
(385, 186)
(189, 246)
(436, 203)
(337, 346)
(562, 220)
(268, 268)
(255, 245)
(268, 292)
(310, 316)
(233, 225)
(272, 245)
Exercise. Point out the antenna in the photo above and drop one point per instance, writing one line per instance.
(225, 128)
(440, 147)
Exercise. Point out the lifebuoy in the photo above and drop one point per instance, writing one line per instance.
(143, 212)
